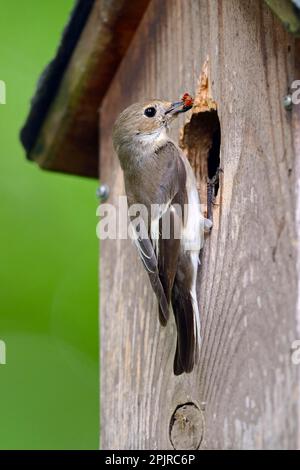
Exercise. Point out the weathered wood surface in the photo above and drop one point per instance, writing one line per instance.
(296, 129)
(245, 390)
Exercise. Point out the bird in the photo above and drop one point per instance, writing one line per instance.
(159, 178)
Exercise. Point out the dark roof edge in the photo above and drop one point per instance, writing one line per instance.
(51, 77)
(288, 11)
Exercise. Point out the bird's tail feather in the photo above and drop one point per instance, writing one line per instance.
(185, 308)
(163, 304)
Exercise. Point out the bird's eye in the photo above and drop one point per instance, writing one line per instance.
(150, 112)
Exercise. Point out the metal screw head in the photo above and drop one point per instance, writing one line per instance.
(288, 102)
(102, 192)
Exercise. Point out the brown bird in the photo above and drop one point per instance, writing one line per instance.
(158, 176)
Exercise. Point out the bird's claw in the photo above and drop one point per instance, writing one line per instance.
(211, 184)
(207, 225)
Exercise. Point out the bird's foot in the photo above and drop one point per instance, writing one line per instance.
(211, 188)
(207, 225)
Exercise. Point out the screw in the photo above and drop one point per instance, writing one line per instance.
(203, 405)
(288, 102)
(102, 192)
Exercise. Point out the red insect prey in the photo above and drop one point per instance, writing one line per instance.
(187, 99)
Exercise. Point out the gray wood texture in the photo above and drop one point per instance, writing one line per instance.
(245, 391)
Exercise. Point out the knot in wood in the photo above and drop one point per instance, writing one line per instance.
(186, 427)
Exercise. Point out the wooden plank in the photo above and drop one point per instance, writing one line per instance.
(68, 140)
(296, 132)
(244, 392)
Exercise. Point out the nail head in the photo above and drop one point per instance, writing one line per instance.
(288, 102)
(102, 192)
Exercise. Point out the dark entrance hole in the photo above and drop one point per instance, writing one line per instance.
(202, 141)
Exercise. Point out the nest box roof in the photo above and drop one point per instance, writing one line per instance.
(61, 131)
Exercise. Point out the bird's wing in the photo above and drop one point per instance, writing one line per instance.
(177, 273)
(158, 250)
(168, 252)
(147, 254)
(170, 222)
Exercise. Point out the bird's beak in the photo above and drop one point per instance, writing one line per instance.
(177, 107)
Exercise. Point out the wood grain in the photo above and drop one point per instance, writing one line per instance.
(296, 129)
(245, 384)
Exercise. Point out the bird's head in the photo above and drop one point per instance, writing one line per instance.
(145, 124)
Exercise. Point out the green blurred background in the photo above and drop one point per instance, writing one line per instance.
(48, 260)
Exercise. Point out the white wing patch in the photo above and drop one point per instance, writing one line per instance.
(157, 211)
(154, 230)
(146, 257)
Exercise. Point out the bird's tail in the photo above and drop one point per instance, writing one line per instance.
(185, 308)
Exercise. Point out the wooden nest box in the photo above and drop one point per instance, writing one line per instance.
(245, 391)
